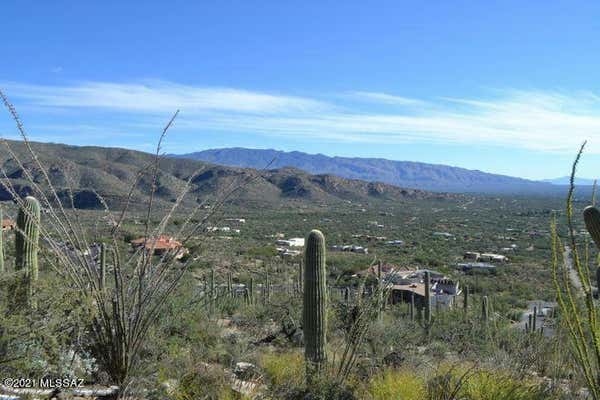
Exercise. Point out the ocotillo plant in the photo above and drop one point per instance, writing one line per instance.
(102, 266)
(26, 241)
(314, 310)
(576, 304)
(1, 244)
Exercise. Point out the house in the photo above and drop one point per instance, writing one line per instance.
(488, 257)
(493, 257)
(292, 242)
(236, 220)
(447, 235)
(221, 229)
(161, 245)
(396, 242)
(477, 267)
(8, 225)
(410, 285)
(407, 285)
(471, 255)
(350, 248)
(285, 252)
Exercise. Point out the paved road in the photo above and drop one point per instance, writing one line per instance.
(573, 277)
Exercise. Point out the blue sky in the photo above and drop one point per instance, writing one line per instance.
(510, 87)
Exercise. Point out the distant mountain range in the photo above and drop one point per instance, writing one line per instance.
(407, 174)
(110, 172)
(565, 180)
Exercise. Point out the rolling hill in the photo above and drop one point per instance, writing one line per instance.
(109, 172)
(432, 177)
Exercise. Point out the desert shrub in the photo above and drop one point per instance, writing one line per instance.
(396, 384)
(284, 368)
(206, 382)
(485, 385)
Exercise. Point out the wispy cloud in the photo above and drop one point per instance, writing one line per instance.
(535, 120)
(386, 98)
(160, 97)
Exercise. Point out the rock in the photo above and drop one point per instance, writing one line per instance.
(246, 371)
(298, 337)
(169, 386)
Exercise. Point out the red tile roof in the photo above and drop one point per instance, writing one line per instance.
(162, 242)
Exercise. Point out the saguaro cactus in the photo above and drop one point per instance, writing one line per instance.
(591, 217)
(466, 301)
(412, 306)
(251, 291)
(211, 289)
(427, 282)
(314, 312)
(229, 284)
(484, 309)
(300, 276)
(26, 241)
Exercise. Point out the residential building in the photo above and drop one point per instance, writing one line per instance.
(161, 245)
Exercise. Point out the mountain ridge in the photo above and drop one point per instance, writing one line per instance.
(408, 174)
(109, 171)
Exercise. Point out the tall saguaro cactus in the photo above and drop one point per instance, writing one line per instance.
(251, 291)
(484, 309)
(427, 282)
(314, 312)
(466, 302)
(412, 306)
(591, 217)
(26, 241)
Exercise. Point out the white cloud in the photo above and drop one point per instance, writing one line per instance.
(159, 97)
(385, 98)
(535, 120)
